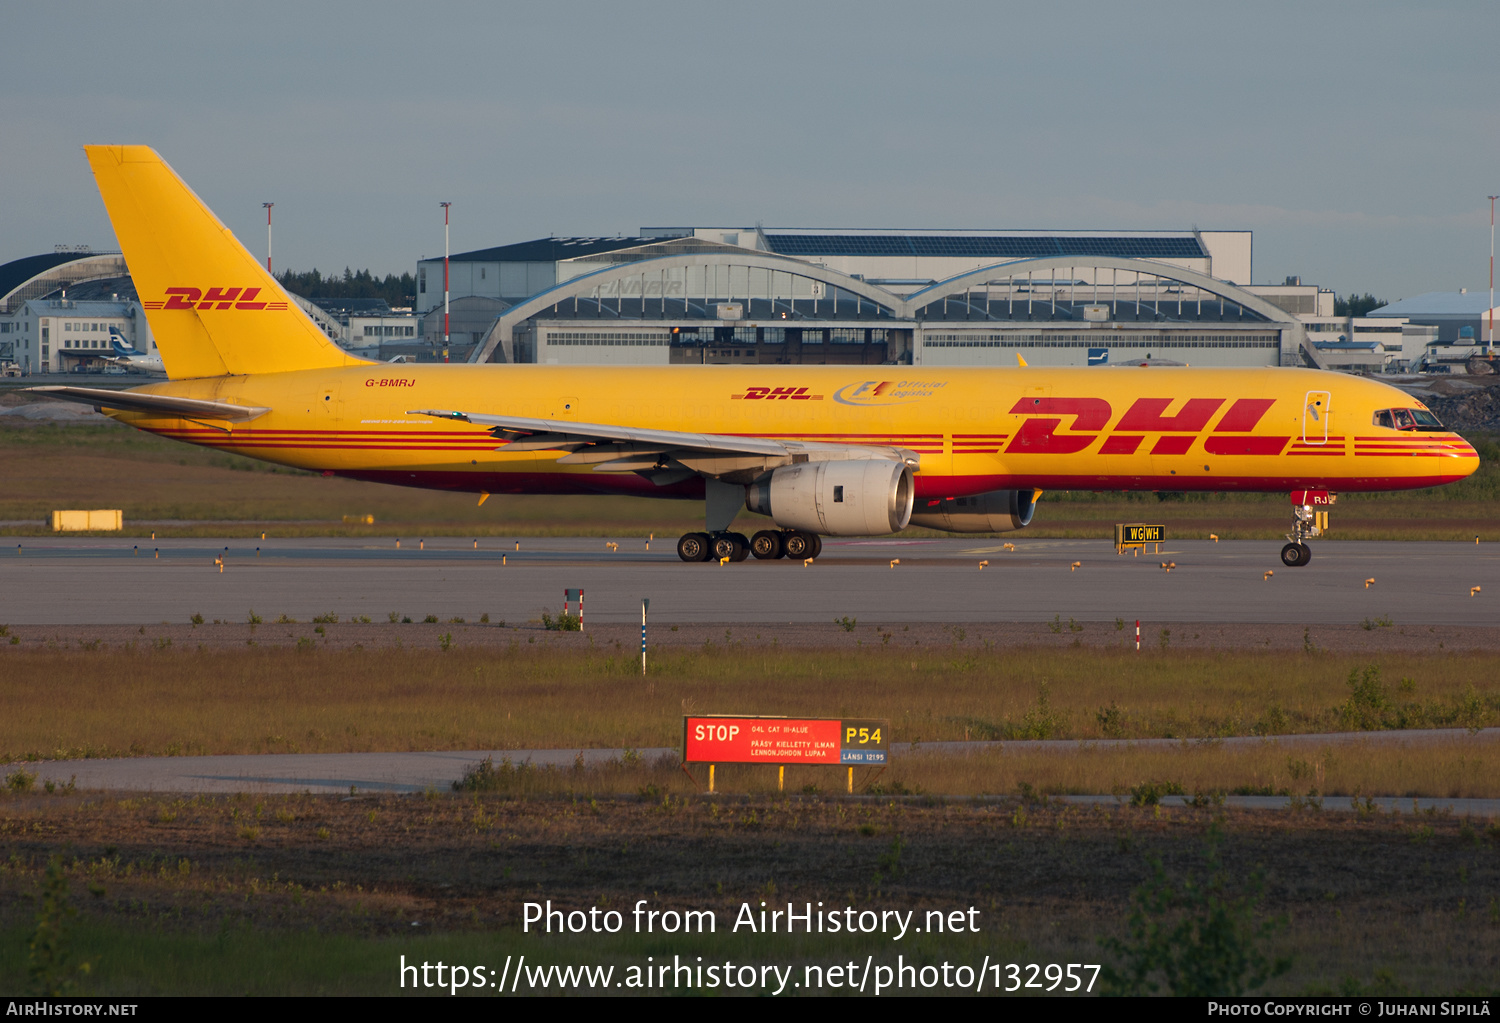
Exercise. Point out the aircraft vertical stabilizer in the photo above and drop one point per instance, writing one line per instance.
(213, 309)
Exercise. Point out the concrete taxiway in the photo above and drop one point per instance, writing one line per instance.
(131, 582)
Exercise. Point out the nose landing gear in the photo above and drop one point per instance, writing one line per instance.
(1306, 523)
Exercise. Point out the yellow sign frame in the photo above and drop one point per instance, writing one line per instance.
(1139, 534)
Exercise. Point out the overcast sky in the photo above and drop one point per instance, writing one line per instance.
(1357, 140)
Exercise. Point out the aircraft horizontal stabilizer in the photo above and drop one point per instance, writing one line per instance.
(161, 404)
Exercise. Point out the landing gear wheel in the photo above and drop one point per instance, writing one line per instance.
(693, 547)
(801, 545)
(728, 545)
(768, 544)
(1295, 555)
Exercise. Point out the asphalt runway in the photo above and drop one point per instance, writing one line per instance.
(129, 582)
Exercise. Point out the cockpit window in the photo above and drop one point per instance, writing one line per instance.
(1416, 419)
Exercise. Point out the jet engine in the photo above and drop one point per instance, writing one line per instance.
(844, 498)
(998, 511)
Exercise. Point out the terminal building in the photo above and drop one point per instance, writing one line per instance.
(56, 311)
(1462, 327)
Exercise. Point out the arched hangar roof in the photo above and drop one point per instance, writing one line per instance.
(896, 306)
(1000, 271)
(586, 283)
(34, 276)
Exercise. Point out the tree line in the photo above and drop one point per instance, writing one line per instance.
(397, 291)
(1356, 305)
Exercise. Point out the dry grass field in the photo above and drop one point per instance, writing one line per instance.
(1203, 771)
(200, 492)
(302, 894)
(150, 699)
(276, 895)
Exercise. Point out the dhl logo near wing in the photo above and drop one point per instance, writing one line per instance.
(776, 394)
(1042, 433)
(216, 298)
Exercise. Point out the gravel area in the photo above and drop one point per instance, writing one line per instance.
(751, 635)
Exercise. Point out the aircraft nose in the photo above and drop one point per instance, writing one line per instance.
(1462, 449)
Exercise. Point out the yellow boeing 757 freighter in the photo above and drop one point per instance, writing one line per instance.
(818, 450)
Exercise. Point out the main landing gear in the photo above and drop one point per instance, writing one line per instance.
(706, 546)
(766, 545)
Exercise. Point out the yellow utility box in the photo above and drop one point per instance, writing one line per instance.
(99, 518)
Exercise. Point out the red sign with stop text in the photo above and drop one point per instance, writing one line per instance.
(751, 740)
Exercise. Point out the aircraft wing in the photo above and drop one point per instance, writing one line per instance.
(161, 404)
(663, 455)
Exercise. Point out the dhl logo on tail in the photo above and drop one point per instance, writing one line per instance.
(216, 298)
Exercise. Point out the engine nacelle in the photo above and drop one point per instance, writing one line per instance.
(999, 511)
(847, 498)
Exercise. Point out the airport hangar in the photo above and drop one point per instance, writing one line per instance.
(767, 296)
(866, 297)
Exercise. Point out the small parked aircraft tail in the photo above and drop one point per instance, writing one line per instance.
(121, 347)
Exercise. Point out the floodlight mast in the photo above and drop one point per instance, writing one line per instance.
(1489, 347)
(445, 206)
(268, 206)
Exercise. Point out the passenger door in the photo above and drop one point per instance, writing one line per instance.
(1315, 412)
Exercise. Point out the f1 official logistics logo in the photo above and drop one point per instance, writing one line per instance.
(216, 298)
(887, 392)
(1040, 434)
